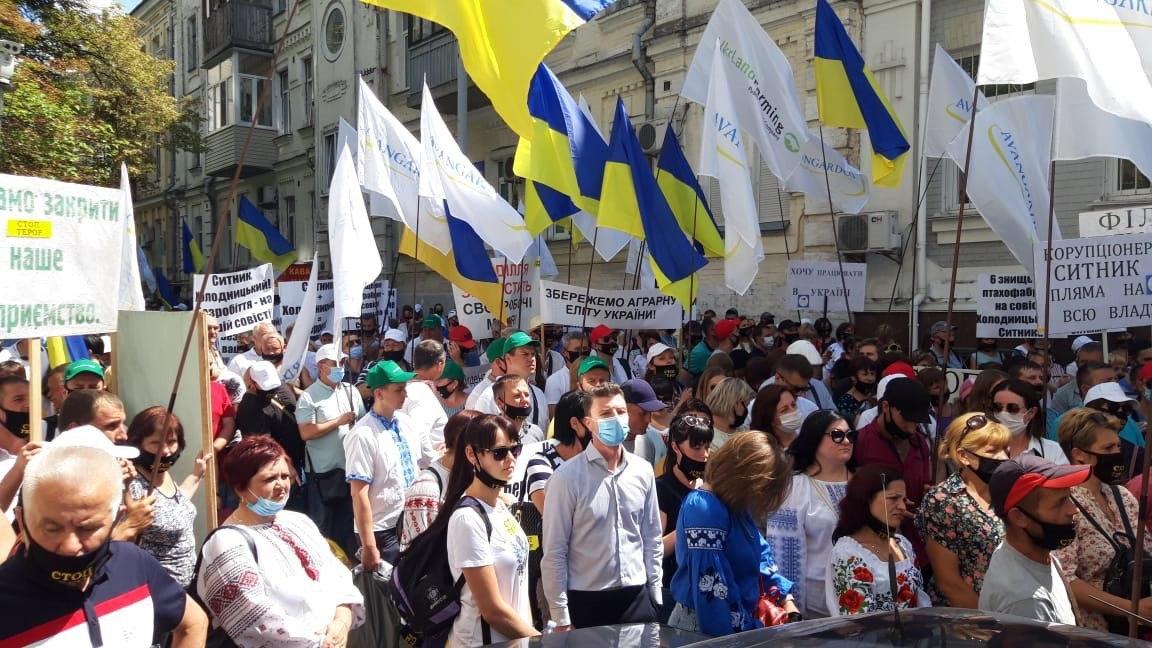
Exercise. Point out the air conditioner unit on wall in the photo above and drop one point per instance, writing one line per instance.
(870, 232)
(651, 136)
(266, 197)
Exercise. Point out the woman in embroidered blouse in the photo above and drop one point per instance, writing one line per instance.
(801, 531)
(870, 514)
(291, 592)
(955, 518)
(1092, 438)
(724, 561)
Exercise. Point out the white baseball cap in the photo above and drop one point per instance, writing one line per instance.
(806, 349)
(327, 332)
(1108, 391)
(264, 374)
(395, 335)
(452, 313)
(1079, 342)
(657, 349)
(330, 352)
(87, 436)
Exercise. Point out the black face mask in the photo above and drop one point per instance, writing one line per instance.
(67, 571)
(895, 431)
(789, 339)
(1052, 536)
(986, 347)
(1109, 468)
(445, 390)
(486, 479)
(394, 356)
(573, 356)
(147, 460)
(609, 348)
(515, 411)
(691, 468)
(866, 388)
(737, 421)
(985, 467)
(274, 358)
(667, 372)
(17, 423)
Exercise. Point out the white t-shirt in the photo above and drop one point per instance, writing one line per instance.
(427, 414)
(506, 552)
(240, 363)
(1015, 584)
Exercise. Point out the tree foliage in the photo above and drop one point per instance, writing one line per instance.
(86, 95)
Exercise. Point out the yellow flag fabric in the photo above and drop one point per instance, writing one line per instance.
(445, 266)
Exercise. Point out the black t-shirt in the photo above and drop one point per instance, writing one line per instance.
(277, 417)
(131, 600)
(670, 494)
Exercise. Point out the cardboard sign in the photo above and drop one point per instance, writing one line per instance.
(1098, 284)
(521, 302)
(619, 309)
(61, 250)
(1005, 306)
(816, 286)
(238, 300)
(292, 299)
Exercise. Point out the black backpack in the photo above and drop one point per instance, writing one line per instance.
(423, 590)
(217, 637)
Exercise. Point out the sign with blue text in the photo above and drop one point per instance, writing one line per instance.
(816, 286)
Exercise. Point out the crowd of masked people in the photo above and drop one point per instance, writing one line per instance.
(734, 474)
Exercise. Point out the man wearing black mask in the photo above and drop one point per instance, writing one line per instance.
(788, 332)
(269, 407)
(574, 347)
(14, 430)
(1032, 497)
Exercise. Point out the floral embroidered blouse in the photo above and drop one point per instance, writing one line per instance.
(950, 515)
(858, 580)
(715, 552)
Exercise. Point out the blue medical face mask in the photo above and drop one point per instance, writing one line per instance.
(336, 374)
(612, 431)
(356, 351)
(266, 507)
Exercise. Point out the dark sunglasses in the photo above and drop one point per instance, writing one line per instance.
(975, 423)
(1115, 409)
(1011, 408)
(840, 436)
(501, 453)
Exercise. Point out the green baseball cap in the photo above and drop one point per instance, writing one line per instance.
(452, 371)
(387, 372)
(83, 366)
(590, 363)
(517, 340)
(495, 350)
(430, 321)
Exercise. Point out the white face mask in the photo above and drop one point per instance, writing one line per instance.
(1014, 422)
(790, 422)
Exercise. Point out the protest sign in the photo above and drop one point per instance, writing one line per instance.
(1005, 306)
(1122, 220)
(521, 304)
(566, 305)
(62, 243)
(473, 376)
(816, 286)
(291, 295)
(1098, 284)
(373, 302)
(238, 300)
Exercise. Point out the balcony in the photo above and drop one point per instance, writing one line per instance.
(434, 58)
(224, 147)
(237, 25)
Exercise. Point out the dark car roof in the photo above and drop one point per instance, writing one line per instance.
(639, 635)
(950, 627)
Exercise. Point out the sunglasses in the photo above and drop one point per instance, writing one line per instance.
(840, 436)
(975, 423)
(501, 453)
(1011, 408)
(697, 421)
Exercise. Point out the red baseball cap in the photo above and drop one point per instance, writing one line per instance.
(725, 328)
(1146, 372)
(1018, 477)
(462, 336)
(899, 369)
(599, 333)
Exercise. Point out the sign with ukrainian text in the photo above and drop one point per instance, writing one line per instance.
(238, 300)
(61, 245)
(817, 286)
(291, 300)
(1136, 219)
(1005, 306)
(567, 305)
(521, 285)
(1097, 284)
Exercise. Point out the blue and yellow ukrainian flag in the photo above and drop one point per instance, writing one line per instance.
(66, 349)
(165, 291)
(502, 42)
(631, 202)
(564, 153)
(466, 266)
(263, 240)
(193, 257)
(848, 96)
(678, 183)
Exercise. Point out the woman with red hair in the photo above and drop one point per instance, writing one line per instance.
(267, 575)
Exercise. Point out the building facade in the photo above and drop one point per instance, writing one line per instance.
(638, 50)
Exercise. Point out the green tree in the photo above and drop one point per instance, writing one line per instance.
(86, 95)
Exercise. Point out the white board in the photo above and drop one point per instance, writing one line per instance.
(521, 283)
(816, 286)
(1005, 306)
(239, 300)
(1136, 219)
(619, 309)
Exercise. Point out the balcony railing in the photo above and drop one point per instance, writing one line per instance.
(238, 24)
(224, 147)
(433, 57)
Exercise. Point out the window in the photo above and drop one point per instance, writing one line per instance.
(279, 7)
(328, 160)
(191, 45)
(285, 114)
(419, 29)
(251, 90)
(334, 31)
(309, 89)
(1129, 179)
(220, 105)
(288, 227)
(971, 64)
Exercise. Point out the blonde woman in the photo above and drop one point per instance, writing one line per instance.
(955, 519)
(729, 404)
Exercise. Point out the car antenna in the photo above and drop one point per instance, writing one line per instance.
(897, 623)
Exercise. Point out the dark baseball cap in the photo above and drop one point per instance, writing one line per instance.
(639, 393)
(1018, 477)
(910, 398)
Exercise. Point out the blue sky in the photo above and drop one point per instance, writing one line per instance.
(129, 5)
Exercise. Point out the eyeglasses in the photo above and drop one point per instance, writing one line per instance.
(840, 436)
(1011, 408)
(1115, 409)
(501, 453)
(697, 421)
(975, 423)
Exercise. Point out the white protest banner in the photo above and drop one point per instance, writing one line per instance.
(1098, 284)
(292, 299)
(63, 247)
(521, 284)
(565, 305)
(238, 300)
(816, 286)
(1005, 306)
(1122, 220)
(373, 302)
(296, 350)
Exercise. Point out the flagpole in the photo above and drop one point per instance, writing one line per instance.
(571, 248)
(588, 286)
(415, 255)
(835, 234)
(963, 192)
(784, 228)
(520, 298)
(503, 285)
(922, 192)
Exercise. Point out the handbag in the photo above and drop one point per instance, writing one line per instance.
(770, 607)
(329, 486)
(1121, 571)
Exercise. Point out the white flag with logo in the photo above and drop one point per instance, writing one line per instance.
(850, 188)
(469, 196)
(1108, 43)
(1084, 130)
(949, 103)
(724, 156)
(764, 101)
(131, 294)
(297, 347)
(1008, 176)
(388, 164)
(355, 258)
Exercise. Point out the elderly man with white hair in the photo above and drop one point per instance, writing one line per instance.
(71, 584)
(239, 364)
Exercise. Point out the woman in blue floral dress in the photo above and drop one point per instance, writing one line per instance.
(724, 561)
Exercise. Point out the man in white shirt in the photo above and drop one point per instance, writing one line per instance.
(240, 363)
(519, 359)
(1033, 498)
(421, 404)
(575, 348)
(602, 550)
(384, 452)
(431, 328)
